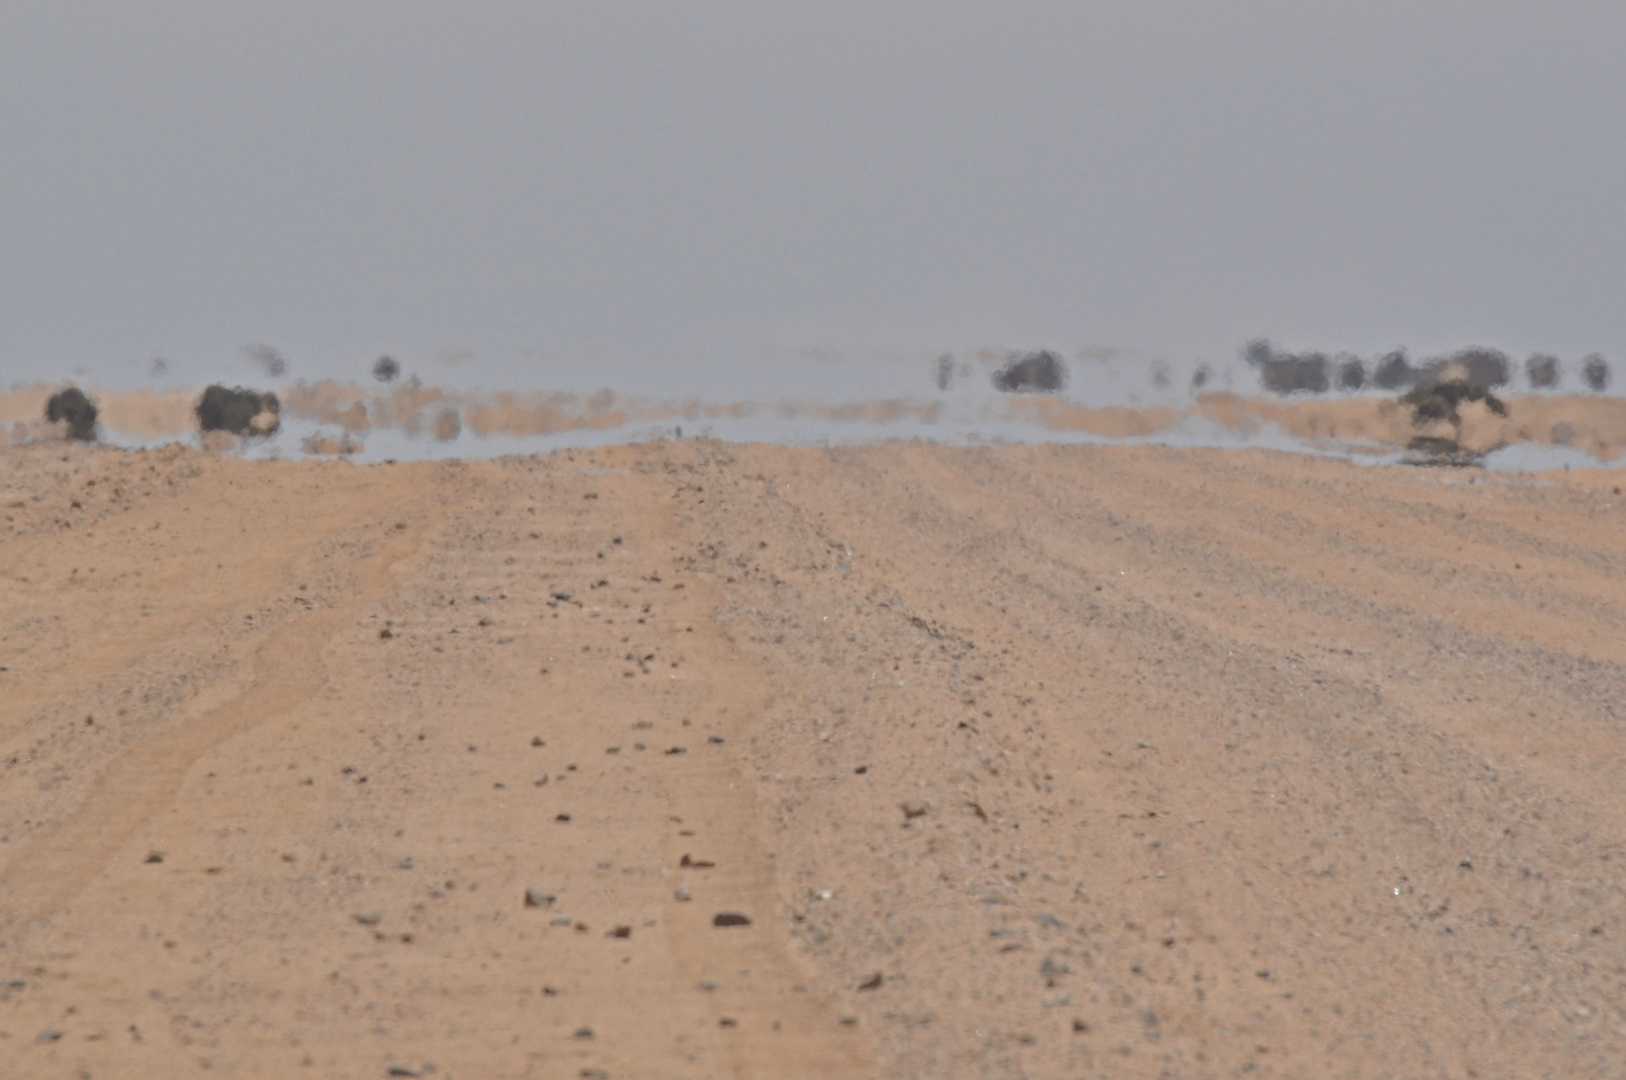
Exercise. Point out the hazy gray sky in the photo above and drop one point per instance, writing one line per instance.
(684, 184)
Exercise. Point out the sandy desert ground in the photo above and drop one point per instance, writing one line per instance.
(1020, 762)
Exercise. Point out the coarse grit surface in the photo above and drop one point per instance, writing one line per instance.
(704, 760)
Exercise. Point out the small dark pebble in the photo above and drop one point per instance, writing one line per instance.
(677, 750)
(594, 1074)
(402, 1070)
(1080, 1027)
(369, 918)
(871, 983)
(537, 898)
(49, 1035)
(697, 864)
(727, 1021)
(562, 817)
(536, 740)
(584, 1033)
(154, 857)
(730, 918)
(620, 932)
(715, 739)
(1262, 973)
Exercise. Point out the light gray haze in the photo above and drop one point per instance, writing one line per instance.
(699, 196)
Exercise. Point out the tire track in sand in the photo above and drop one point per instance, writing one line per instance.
(289, 669)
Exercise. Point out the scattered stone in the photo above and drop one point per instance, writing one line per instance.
(385, 634)
(696, 864)
(72, 407)
(677, 750)
(913, 809)
(385, 369)
(715, 740)
(154, 857)
(849, 1021)
(402, 1070)
(1080, 1027)
(536, 740)
(593, 1074)
(619, 932)
(1053, 967)
(369, 918)
(562, 817)
(49, 1035)
(584, 1032)
(871, 983)
(727, 1022)
(682, 893)
(538, 899)
(730, 918)
(404, 864)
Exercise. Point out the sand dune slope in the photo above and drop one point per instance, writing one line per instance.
(1019, 762)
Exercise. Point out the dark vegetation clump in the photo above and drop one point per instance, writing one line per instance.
(71, 405)
(1437, 401)
(385, 369)
(1481, 367)
(1595, 373)
(1288, 373)
(1039, 372)
(1542, 371)
(1351, 373)
(1395, 372)
(234, 410)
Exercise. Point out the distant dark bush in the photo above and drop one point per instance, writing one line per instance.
(238, 411)
(1285, 372)
(71, 405)
(1595, 372)
(1482, 367)
(1395, 372)
(1032, 373)
(1351, 373)
(1542, 371)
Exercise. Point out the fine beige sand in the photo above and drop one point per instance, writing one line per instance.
(1021, 762)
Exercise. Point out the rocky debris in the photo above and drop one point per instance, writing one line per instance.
(681, 894)
(71, 406)
(538, 899)
(386, 369)
(730, 918)
(913, 808)
(872, 983)
(238, 411)
(154, 857)
(1039, 372)
(368, 918)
